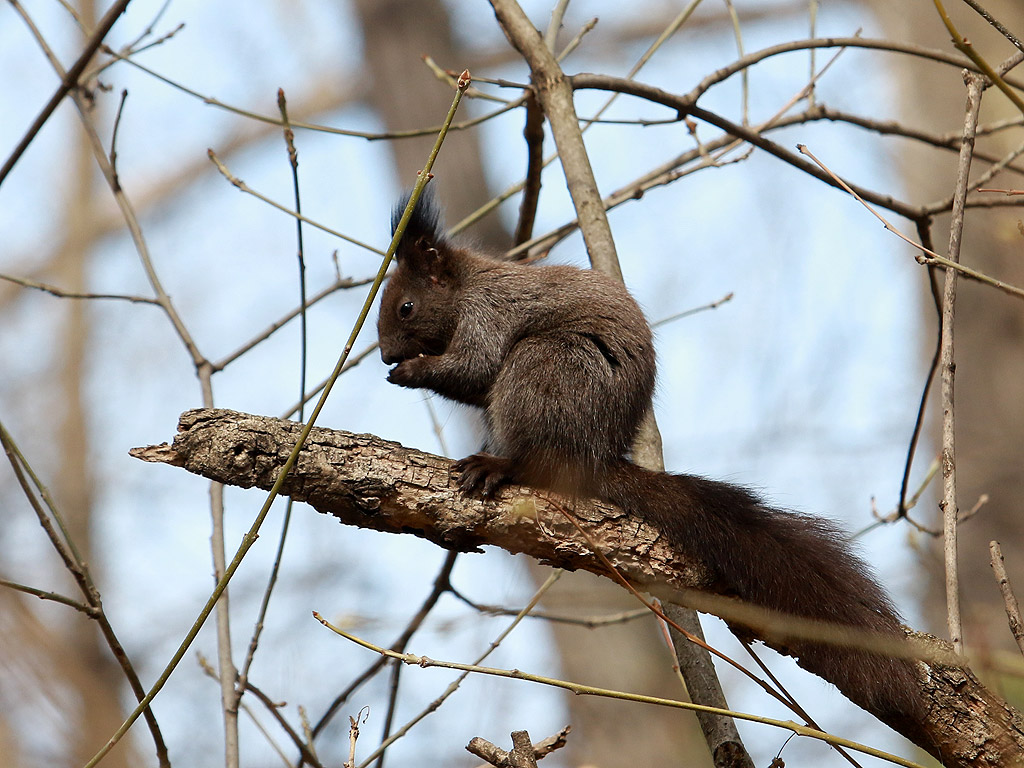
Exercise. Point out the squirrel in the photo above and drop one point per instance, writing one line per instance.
(561, 361)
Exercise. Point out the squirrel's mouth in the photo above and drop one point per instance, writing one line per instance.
(432, 348)
(395, 359)
(399, 361)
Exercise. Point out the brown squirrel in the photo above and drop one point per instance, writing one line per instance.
(561, 361)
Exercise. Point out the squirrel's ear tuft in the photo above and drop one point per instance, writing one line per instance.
(425, 229)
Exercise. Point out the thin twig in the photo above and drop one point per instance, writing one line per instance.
(947, 367)
(265, 733)
(339, 284)
(891, 46)
(293, 162)
(454, 686)
(987, 69)
(351, 363)
(587, 690)
(557, 16)
(130, 46)
(63, 544)
(929, 257)
(577, 39)
(1005, 161)
(450, 78)
(924, 232)
(1009, 192)
(533, 134)
(237, 182)
(694, 310)
(61, 293)
(43, 594)
(132, 50)
(392, 708)
(978, 184)
(590, 622)
(994, 23)
(950, 141)
(113, 137)
(307, 731)
(275, 711)
(1006, 590)
(251, 535)
(276, 121)
(68, 81)
(79, 570)
(745, 74)
(793, 703)
(442, 584)
(973, 274)
(435, 424)
(812, 31)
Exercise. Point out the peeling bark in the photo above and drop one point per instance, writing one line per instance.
(372, 483)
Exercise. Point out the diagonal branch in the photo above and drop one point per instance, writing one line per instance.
(374, 484)
(68, 81)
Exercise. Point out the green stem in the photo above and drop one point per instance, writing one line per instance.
(250, 537)
(589, 690)
(968, 50)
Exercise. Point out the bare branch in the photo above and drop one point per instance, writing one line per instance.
(68, 81)
(1009, 599)
(365, 481)
(62, 294)
(554, 92)
(948, 505)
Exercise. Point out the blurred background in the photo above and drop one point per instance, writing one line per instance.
(805, 384)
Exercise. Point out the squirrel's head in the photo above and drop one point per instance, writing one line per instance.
(419, 304)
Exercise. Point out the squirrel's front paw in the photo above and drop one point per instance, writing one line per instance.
(407, 373)
(484, 472)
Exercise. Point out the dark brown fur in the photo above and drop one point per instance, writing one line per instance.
(562, 363)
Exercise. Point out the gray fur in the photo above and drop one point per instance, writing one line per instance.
(562, 363)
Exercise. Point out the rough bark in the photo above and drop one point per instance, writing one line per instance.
(369, 482)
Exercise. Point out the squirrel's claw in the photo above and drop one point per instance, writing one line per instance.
(483, 472)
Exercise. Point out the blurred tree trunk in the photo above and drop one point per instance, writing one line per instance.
(60, 654)
(80, 657)
(989, 325)
(406, 95)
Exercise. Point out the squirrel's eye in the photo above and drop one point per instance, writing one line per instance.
(405, 310)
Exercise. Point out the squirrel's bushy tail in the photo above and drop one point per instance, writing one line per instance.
(783, 561)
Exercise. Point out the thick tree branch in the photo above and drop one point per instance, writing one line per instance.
(369, 482)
